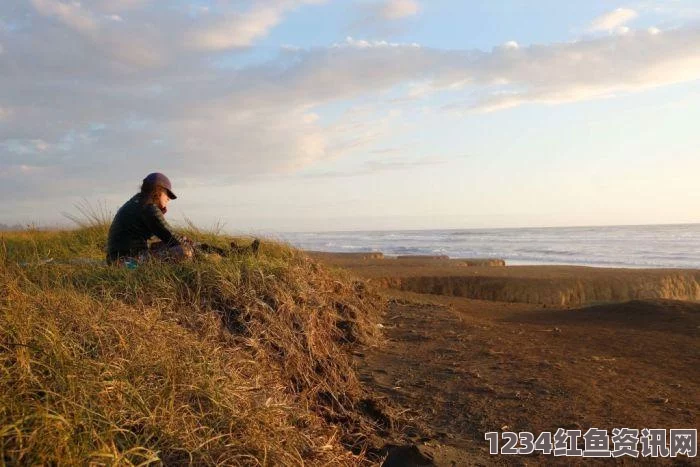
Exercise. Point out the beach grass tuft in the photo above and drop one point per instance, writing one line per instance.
(222, 360)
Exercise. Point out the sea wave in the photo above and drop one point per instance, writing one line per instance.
(626, 246)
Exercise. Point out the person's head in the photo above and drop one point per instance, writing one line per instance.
(157, 189)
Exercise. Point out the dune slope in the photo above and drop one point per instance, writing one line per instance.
(241, 360)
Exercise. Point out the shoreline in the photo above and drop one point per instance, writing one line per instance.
(512, 262)
(508, 262)
(647, 247)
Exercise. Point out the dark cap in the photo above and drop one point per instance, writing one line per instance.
(158, 179)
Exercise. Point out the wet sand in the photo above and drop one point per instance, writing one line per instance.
(461, 367)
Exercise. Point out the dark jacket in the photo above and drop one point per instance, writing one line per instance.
(133, 225)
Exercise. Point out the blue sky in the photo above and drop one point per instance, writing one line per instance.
(288, 115)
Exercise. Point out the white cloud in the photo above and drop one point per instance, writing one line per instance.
(19, 170)
(383, 16)
(28, 168)
(398, 9)
(509, 76)
(128, 46)
(594, 69)
(613, 20)
(118, 5)
(622, 30)
(236, 30)
(71, 14)
(240, 29)
(363, 44)
(132, 98)
(374, 167)
(40, 145)
(138, 43)
(25, 147)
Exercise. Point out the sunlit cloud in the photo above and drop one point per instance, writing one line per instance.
(236, 30)
(81, 90)
(397, 9)
(71, 14)
(614, 20)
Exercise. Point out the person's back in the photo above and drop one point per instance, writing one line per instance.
(140, 218)
(128, 234)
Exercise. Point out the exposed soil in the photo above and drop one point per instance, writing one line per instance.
(460, 368)
(463, 368)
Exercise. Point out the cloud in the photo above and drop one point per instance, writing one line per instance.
(136, 42)
(383, 16)
(363, 44)
(374, 167)
(71, 14)
(133, 100)
(670, 12)
(600, 68)
(506, 76)
(119, 5)
(237, 29)
(24, 147)
(613, 20)
(126, 45)
(398, 9)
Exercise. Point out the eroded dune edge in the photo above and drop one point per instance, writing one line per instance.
(240, 360)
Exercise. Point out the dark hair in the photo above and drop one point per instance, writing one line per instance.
(149, 193)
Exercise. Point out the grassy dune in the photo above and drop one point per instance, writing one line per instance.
(239, 360)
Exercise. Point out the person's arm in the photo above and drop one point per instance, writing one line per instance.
(156, 223)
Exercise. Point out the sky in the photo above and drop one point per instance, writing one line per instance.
(319, 115)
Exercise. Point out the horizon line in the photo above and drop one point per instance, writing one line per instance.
(672, 224)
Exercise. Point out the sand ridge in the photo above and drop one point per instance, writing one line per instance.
(547, 285)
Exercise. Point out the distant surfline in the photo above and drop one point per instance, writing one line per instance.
(666, 246)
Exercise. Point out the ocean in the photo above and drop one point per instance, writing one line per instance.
(649, 246)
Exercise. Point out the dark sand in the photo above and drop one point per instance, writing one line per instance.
(461, 367)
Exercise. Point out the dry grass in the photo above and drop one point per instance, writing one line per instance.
(240, 360)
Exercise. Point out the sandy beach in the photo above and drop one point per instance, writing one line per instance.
(488, 279)
(473, 349)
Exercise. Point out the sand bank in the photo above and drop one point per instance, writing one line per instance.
(547, 285)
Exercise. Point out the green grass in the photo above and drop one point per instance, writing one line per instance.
(237, 360)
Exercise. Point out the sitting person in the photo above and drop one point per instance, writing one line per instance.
(141, 218)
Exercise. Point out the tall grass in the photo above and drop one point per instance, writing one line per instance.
(219, 361)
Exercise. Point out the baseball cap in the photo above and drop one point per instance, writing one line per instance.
(158, 179)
